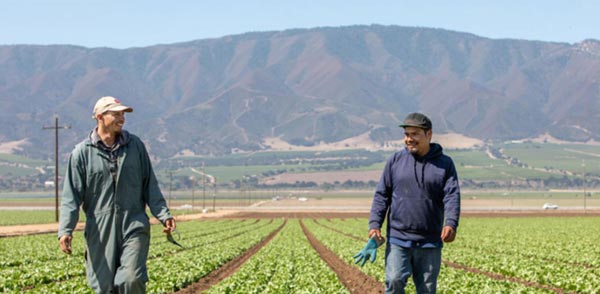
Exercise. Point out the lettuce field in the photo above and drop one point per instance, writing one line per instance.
(313, 253)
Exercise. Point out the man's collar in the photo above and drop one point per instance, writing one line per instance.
(120, 140)
(94, 137)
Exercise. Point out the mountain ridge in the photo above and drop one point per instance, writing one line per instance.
(305, 86)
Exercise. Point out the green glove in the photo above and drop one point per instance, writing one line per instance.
(368, 252)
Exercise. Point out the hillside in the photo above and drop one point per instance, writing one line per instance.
(303, 87)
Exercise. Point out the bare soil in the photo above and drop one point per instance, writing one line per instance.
(20, 230)
(352, 278)
(362, 141)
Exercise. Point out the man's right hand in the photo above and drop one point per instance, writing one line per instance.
(65, 243)
(169, 226)
(368, 252)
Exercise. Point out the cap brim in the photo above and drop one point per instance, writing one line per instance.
(416, 126)
(120, 108)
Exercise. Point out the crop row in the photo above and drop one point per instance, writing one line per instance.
(560, 253)
(544, 254)
(225, 239)
(28, 261)
(492, 255)
(170, 273)
(287, 265)
(345, 246)
(41, 249)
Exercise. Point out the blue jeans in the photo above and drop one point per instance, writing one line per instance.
(422, 263)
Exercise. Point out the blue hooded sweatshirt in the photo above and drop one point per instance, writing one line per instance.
(417, 193)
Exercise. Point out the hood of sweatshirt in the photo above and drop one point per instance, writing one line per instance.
(435, 150)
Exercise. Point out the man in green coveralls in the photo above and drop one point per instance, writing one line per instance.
(111, 176)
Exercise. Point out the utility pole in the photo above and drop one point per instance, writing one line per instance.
(193, 184)
(214, 193)
(512, 197)
(56, 127)
(211, 180)
(170, 186)
(584, 195)
(203, 188)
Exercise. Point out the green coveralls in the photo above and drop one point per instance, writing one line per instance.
(117, 229)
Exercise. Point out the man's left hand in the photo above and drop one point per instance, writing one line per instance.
(448, 234)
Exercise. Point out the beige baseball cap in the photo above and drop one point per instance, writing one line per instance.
(109, 103)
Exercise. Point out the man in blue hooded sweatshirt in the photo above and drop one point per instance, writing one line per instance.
(419, 192)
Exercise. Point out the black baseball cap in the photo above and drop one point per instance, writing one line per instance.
(418, 120)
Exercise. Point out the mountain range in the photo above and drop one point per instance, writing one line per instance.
(303, 87)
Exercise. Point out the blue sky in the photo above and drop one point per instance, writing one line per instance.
(137, 23)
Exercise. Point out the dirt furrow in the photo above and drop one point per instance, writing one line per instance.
(340, 232)
(491, 275)
(501, 277)
(229, 268)
(352, 278)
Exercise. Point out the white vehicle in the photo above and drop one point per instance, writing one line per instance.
(550, 206)
(303, 199)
